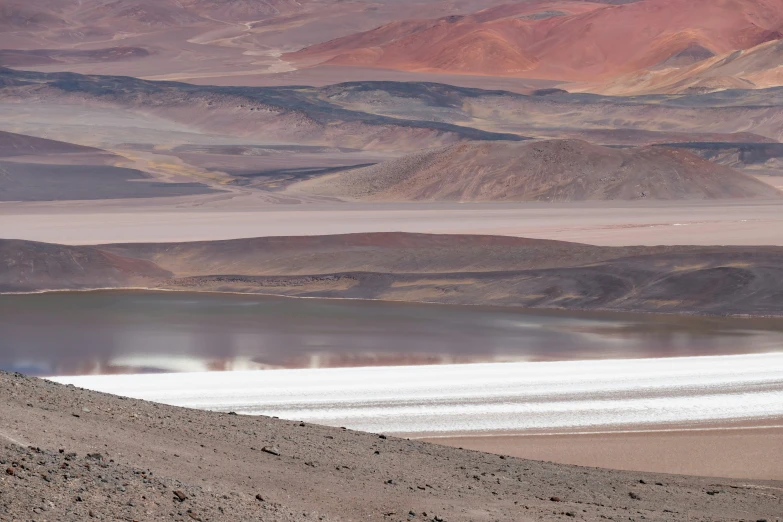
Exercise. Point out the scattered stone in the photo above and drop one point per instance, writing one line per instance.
(641, 481)
(9, 471)
(381, 436)
(570, 514)
(179, 495)
(634, 496)
(76, 415)
(554, 499)
(272, 450)
(259, 497)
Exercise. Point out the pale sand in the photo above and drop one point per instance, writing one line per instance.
(748, 452)
(238, 215)
(775, 181)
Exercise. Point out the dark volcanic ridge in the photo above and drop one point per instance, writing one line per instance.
(297, 114)
(410, 116)
(69, 454)
(555, 170)
(449, 269)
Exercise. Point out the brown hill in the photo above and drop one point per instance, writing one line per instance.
(559, 39)
(28, 265)
(376, 252)
(556, 170)
(452, 269)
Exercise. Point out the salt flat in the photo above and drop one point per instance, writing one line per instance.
(484, 398)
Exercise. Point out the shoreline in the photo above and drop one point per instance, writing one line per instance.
(544, 309)
(486, 400)
(738, 445)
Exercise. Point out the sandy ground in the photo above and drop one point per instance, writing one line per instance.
(237, 215)
(739, 452)
(775, 181)
(129, 458)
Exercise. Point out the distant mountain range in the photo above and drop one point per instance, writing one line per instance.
(613, 47)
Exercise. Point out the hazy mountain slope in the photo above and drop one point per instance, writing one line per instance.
(756, 68)
(728, 116)
(566, 170)
(583, 44)
(276, 114)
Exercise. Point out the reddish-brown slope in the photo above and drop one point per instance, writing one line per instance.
(559, 39)
(489, 42)
(28, 266)
(755, 68)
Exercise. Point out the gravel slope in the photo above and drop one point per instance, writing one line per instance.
(148, 452)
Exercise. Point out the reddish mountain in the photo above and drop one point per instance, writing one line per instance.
(560, 39)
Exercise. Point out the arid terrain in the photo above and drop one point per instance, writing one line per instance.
(587, 156)
(554, 170)
(452, 269)
(72, 454)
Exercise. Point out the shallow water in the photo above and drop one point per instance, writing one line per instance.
(76, 333)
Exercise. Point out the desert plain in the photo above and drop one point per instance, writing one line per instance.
(506, 159)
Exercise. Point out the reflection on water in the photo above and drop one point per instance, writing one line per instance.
(131, 332)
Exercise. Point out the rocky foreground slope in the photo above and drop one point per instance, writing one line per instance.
(451, 269)
(69, 454)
